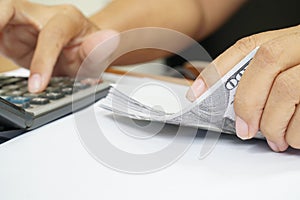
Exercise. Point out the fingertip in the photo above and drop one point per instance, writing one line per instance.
(253, 129)
(242, 128)
(273, 146)
(196, 90)
(36, 83)
(283, 146)
(278, 147)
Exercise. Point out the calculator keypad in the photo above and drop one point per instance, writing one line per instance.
(14, 90)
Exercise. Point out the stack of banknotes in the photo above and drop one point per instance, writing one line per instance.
(212, 111)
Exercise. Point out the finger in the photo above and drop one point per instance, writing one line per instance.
(194, 68)
(272, 58)
(89, 57)
(110, 38)
(52, 38)
(223, 63)
(6, 13)
(19, 36)
(241, 48)
(292, 136)
(280, 107)
(95, 50)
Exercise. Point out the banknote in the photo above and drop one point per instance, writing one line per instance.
(211, 111)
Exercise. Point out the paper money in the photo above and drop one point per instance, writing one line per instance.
(212, 111)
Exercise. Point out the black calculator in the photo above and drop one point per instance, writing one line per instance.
(21, 111)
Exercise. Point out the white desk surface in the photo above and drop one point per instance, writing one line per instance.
(51, 163)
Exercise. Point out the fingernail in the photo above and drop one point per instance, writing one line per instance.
(273, 146)
(241, 127)
(34, 83)
(195, 90)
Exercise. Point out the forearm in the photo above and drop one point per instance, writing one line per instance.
(181, 15)
(195, 18)
(215, 13)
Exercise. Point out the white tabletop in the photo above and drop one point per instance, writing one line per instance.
(51, 163)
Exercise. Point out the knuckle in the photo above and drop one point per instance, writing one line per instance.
(70, 10)
(52, 33)
(57, 37)
(296, 32)
(243, 108)
(268, 54)
(246, 44)
(71, 14)
(284, 87)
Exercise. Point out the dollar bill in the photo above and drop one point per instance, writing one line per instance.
(211, 111)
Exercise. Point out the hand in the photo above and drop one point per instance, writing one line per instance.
(268, 94)
(48, 40)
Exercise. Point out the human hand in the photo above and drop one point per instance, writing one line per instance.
(48, 40)
(268, 93)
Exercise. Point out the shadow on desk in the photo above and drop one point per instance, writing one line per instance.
(168, 131)
(256, 145)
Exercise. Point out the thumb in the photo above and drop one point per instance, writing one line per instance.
(96, 49)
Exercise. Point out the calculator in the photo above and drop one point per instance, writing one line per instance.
(21, 111)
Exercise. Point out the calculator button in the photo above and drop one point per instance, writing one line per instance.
(80, 86)
(54, 95)
(39, 101)
(22, 84)
(3, 91)
(68, 90)
(11, 87)
(59, 84)
(91, 81)
(24, 89)
(53, 89)
(15, 93)
(10, 81)
(7, 98)
(23, 105)
(19, 100)
(2, 78)
(34, 95)
(56, 80)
